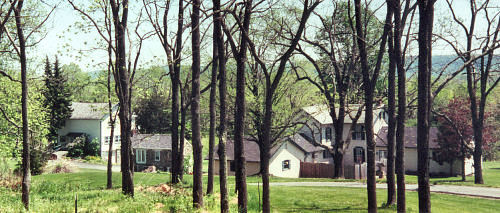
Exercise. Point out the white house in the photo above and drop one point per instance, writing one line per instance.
(93, 119)
(320, 128)
(285, 157)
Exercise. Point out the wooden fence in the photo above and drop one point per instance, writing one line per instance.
(316, 170)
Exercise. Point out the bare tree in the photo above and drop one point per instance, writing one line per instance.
(240, 55)
(112, 121)
(337, 77)
(479, 61)
(19, 45)
(395, 161)
(219, 44)
(173, 49)
(195, 107)
(273, 74)
(24, 108)
(369, 80)
(212, 106)
(426, 18)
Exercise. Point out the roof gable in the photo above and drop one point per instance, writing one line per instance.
(321, 113)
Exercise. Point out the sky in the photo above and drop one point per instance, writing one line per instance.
(65, 39)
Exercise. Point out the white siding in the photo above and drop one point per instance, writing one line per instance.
(106, 131)
(90, 127)
(276, 163)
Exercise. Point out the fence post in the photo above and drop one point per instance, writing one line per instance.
(76, 202)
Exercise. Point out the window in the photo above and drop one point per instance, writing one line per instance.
(359, 155)
(157, 155)
(286, 164)
(326, 154)
(107, 139)
(140, 156)
(232, 166)
(328, 134)
(117, 139)
(358, 133)
(105, 155)
(381, 154)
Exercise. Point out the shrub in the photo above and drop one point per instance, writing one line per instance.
(38, 160)
(82, 146)
(59, 167)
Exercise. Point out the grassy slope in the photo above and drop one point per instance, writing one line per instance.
(56, 192)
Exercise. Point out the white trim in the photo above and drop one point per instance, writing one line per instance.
(140, 156)
(157, 155)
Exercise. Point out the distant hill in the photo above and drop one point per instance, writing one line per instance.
(440, 61)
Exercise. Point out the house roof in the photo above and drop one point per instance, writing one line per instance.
(152, 141)
(88, 111)
(410, 137)
(252, 151)
(304, 144)
(321, 113)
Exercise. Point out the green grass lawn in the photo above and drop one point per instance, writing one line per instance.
(491, 177)
(56, 193)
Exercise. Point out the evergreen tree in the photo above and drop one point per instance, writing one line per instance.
(57, 98)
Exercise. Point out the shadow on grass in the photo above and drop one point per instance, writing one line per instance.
(317, 209)
(495, 168)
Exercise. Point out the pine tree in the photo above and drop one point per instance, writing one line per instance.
(57, 98)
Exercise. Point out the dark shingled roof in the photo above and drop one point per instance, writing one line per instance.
(151, 141)
(304, 144)
(88, 111)
(252, 151)
(410, 137)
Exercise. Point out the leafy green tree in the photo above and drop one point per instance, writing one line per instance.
(152, 115)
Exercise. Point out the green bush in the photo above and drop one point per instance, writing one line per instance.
(82, 146)
(38, 160)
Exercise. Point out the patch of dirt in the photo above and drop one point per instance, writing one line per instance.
(165, 189)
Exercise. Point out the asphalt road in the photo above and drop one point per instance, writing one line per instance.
(485, 192)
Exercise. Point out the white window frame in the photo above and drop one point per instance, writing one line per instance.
(285, 163)
(107, 139)
(140, 156)
(157, 155)
(117, 139)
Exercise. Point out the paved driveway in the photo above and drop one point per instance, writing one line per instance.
(486, 192)
(115, 168)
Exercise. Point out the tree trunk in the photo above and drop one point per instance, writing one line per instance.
(219, 40)
(112, 120)
(123, 92)
(182, 136)
(195, 108)
(109, 184)
(338, 157)
(400, 123)
(369, 87)
(239, 118)
(26, 181)
(391, 129)
(426, 11)
(175, 79)
(211, 137)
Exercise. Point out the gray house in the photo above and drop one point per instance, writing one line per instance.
(155, 150)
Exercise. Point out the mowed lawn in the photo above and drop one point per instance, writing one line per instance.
(491, 177)
(56, 193)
